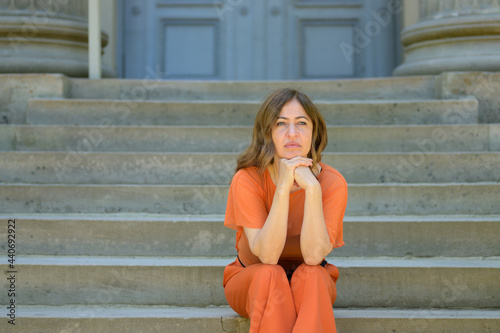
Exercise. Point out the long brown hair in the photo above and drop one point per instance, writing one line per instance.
(260, 153)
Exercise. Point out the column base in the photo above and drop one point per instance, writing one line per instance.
(451, 44)
(54, 45)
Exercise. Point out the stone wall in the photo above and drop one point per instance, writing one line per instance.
(452, 35)
(45, 36)
(16, 89)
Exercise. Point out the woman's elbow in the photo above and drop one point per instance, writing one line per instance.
(268, 259)
(265, 258)
(313, 261)
(316, 257)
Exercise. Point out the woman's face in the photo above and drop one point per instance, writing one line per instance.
(292, 132)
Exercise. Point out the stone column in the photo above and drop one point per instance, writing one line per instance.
(452, 35)
(45, 36)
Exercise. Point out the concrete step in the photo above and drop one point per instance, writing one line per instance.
(355, 112)
(222, 319)
(75, 139)
(205, 235)
(364, 199)
(364, 282)
(218, 168)
(415, 87)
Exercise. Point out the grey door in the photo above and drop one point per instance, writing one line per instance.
(259, 39)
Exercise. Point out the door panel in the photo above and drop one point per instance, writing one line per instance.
(258, 39)
(189, 48)
(318, 52)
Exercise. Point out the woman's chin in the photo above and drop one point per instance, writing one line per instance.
(290, 156)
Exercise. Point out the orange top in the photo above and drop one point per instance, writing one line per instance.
(249, 202)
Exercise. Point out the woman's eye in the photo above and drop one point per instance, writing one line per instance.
(280, 123)
(302, 123)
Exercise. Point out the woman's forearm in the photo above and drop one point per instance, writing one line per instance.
(268, 242)
(314, 240)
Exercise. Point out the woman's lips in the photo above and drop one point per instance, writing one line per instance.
(292, 145)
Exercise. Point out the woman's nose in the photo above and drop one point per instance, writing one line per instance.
(292, 130)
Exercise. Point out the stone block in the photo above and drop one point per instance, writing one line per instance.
(224, 113)
(495, 137)
(16, 89)
(154, 319)
(218, 168)
(364, 199)
(483, 85)
(363, 282)
(401, 88)
(74, 140)
(131, 234)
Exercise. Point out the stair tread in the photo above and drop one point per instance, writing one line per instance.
(392, 184)
(365, 262)
(46, 167)
(381, 88)
(119, 216)
(253, 102)
(145, 217)
(388, 138)
(146, 234)
(235, 154)
(119, 311)
(365, 199)
(417, 126)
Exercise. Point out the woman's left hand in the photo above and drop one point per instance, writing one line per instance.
(304, 177)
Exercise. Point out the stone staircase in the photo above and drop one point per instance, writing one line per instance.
(118, 188)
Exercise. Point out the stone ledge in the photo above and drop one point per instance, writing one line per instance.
(149, 319)
(483, 85)
(17, 89)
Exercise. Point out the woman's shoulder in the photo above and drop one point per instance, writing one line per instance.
(329, 175)
(249, 176)
(249, 172)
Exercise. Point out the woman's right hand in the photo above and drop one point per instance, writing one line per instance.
(286, 169)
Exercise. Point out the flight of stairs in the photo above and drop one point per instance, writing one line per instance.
(119, 187)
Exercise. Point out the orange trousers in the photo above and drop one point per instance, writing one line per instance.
(274, 305)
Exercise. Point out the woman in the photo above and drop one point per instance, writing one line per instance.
(287, 208)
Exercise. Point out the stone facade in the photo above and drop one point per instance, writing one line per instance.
(452, 35)
(50, 36)
(45, 36)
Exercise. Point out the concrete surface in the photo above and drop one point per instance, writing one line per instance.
(152, 319)
(224, 139)
(364, 199)
(205, 235)
(418, 87)
(421, 227)
(364, 282)
(218, 168)
(345, 112)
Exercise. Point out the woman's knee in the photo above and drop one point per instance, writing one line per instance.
(309, 272)
(310, 269)
(269, 271)
(317, 277)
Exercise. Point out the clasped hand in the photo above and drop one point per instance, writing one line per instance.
(296, 170)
